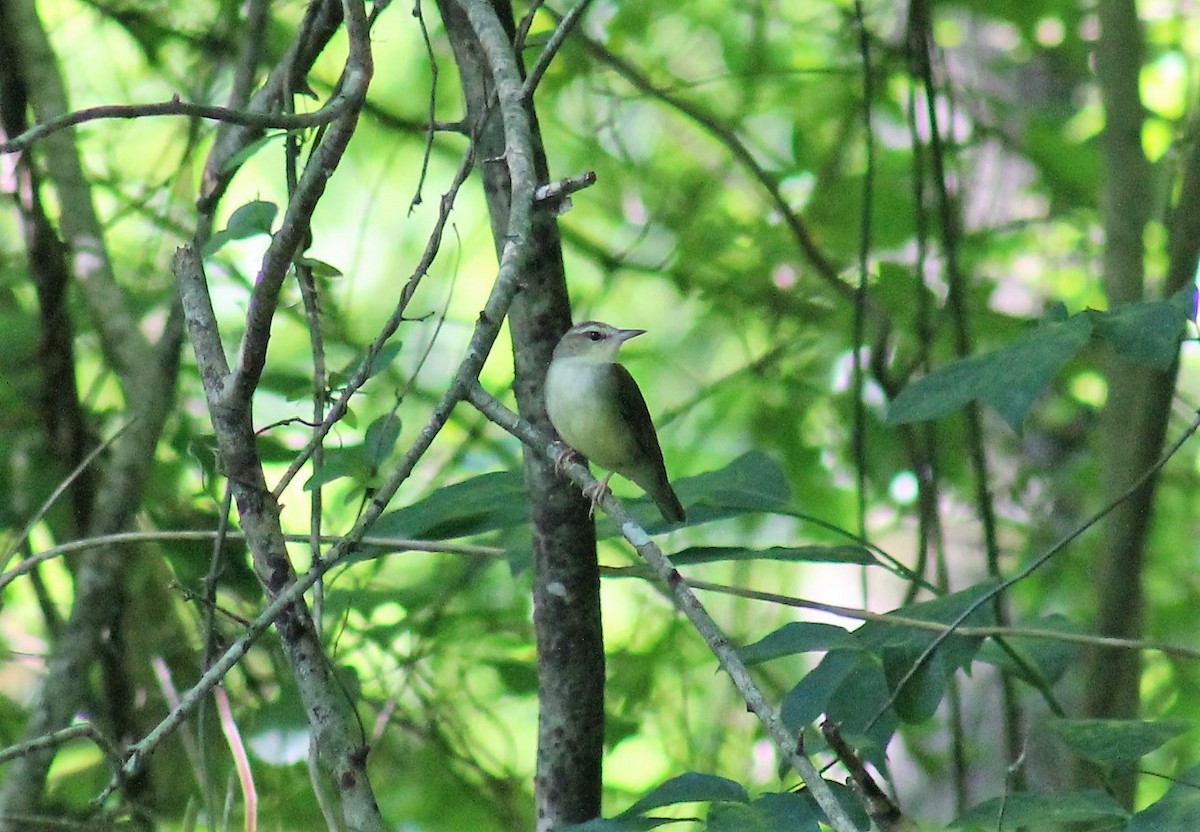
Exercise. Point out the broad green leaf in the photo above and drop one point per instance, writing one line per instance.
(690, 787)
(319, 268)
(738, 817)
(797, 637)
(520, 678)
(381, 361)
(772, 812)
(380, 439)
(636, 823)
(751, 483)
(1178, 809)
(293, 386)
(1148, 332)
(385, 358)
(518, 548)
(1116, 743)
(252, 219)
(338, 463)
(1039, 812)
(858, 555)
(485, 503)
(1051, 658)
(1008, 380)
(249, 220)
(899, 646)
(191, 560)
(849, 687)
(808, 699)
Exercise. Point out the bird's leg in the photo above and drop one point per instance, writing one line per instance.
(563, 454)
(596, 493)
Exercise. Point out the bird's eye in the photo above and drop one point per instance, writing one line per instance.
(593, 335)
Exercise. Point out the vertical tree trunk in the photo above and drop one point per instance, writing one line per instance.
(567, 582)
(1135, 414)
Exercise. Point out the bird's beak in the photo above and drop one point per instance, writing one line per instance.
(624, 335)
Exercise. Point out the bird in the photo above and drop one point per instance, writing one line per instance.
(598, 410)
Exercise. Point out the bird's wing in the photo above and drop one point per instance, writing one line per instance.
(636, 415)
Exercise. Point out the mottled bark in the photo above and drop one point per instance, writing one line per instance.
(567, 584)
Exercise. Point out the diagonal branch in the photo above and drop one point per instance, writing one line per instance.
(787, 743)
(286, 241)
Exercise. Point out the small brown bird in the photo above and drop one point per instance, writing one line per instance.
(596, 407)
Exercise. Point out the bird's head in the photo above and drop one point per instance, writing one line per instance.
(594, 341)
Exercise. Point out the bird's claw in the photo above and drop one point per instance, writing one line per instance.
(562, 455)
(595, 493)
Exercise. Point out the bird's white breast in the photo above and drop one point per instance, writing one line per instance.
(581, 400)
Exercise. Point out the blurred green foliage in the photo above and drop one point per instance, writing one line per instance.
(706, 123)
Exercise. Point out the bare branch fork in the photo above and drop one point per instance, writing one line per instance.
(228, 392)
(788, 744)
(229, 395)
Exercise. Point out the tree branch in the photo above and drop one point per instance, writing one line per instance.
(787, 744)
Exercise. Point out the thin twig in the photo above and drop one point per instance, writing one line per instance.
(896, 619)
(363, 373)
(175, 107)
(57, 738)
(433, 82)
(393, 543)
(565, 25)
(59, 490)
(1036, 564)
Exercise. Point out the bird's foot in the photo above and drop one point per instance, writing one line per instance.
(564, 453)
(596, 493)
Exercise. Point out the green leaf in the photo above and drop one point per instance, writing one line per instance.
(249, 220)
(849, 687)
(520, 678)
(338, 463)
(252, 219)
(1038, 812)
(751, 483)
(738, 817)
(1148, 332)
(382, 360)
(772, 812)
(1178, 809)
(689, 787)
(636, 823)
(1008, 380)
(518, 549)
(858, 555)
(319, 268)
(385, 358)
(1116, 743)
(797, 637)
(485, 503)
(1051, 658)
(380, 439)
(293, 386)
(899, 646)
